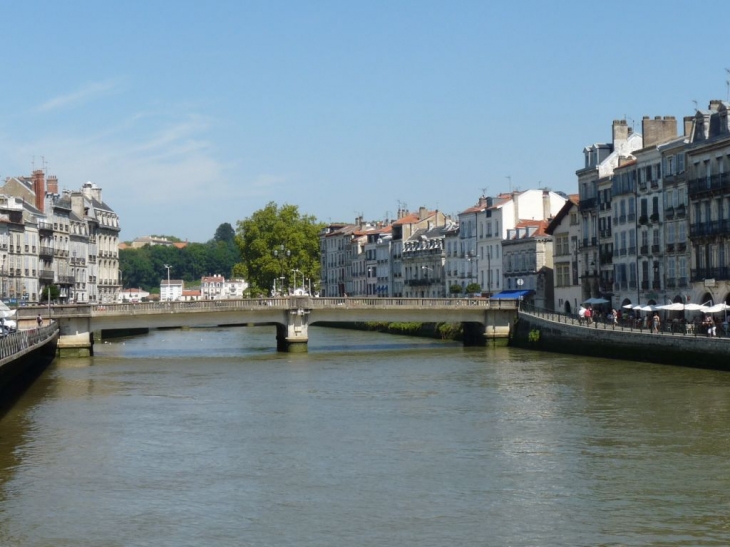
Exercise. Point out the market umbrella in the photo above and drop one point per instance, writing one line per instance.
(674, 306)
(693, 307)
(596, 301)
(717, 308)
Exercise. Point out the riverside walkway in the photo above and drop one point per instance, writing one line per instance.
(24, 353)
(482, 318)
(544, 330)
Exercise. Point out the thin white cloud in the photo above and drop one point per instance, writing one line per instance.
(86, 93)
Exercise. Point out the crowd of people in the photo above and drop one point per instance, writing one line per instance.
(706, 325)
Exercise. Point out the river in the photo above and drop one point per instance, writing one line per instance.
(209, 437)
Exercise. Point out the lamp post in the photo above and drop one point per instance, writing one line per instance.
(2, 273)
(282, 253)
(169, 291)
(295, 272)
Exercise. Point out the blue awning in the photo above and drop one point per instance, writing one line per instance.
(513, 295)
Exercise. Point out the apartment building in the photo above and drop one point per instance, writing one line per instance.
(505, 213)
(708, 189)
(527, 253)
(565, 230)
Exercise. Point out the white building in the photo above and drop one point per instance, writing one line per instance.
(171, 290)
(132, 295)
(565, 229)
(506, 211)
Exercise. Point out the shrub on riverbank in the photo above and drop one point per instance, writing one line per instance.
(443, 331)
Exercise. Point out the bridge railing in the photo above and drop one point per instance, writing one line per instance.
(639, 325)
(279, 303)
(17, 342)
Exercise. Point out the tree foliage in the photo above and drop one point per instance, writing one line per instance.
(293, 236)
(455, 289)
(145, 267)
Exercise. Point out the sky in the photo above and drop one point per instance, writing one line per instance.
(189, 114)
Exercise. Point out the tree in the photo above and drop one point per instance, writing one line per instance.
(473, 288)
(293, 236)
(455, 289)
(225, 233)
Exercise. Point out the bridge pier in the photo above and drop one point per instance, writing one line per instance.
(294, 336)
(80, 344)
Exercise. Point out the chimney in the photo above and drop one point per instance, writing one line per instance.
(39, 188)
(52, 184)
(422, 213)
(688, 121)
(620, 133)
(715, 104)
(658, 130)
(545, 204)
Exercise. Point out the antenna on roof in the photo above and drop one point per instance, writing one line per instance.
(727, 83)
(509, 180)
(484, 191)
(44, 165)
(32, 164)
(695, 103)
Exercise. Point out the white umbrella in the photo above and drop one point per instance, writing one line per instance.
(716, 308)
(693, 307)
(647, 308)
(596, 301)
(674, 306)
(628, 306)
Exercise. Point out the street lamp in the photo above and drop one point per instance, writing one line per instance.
(295, 272)
(169, 291)
(282, 253)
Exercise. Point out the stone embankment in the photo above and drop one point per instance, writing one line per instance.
(565, 334)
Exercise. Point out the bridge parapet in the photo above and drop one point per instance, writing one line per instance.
(292, 315)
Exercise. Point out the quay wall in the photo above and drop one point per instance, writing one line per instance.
(23, 356)
(551, 332)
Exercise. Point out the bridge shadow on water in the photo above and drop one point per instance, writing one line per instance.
(258, 342)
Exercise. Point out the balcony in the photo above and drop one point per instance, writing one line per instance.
(622, 219)
(681, 247)
(587, 203)
(656, 284)
(606, 258)
(632, 250)
(706, 185)
(654, 184)
(45, 275)
(644, 285)
(654, 217)
(669, 213)
(700, 274)
(655, 249)
(643, 219)
(642, 186)
(713, 228)
(631, 217)
(671, 283)
(644, 250)
(45, 226)
(682, 282)
(66, 280)
(670, 247)
(46, 252)
(681, 211)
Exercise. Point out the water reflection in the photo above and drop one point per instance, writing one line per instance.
(213, 438)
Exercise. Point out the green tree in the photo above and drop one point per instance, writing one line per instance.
(293, 236)
(455, 289)
(225, 233)
(473, 288)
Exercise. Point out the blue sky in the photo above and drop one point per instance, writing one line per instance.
(191, 114)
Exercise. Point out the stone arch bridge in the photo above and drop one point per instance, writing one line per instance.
(482, 318)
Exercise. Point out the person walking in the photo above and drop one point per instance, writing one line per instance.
(655, 323)
(39, 320)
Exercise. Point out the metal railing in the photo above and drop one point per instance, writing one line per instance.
(282, 303)
(19, 342)
(641, 325)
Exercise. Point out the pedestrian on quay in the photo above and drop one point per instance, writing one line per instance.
(614, 316)
(589, 315)
(655, 323)
(39, 320)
